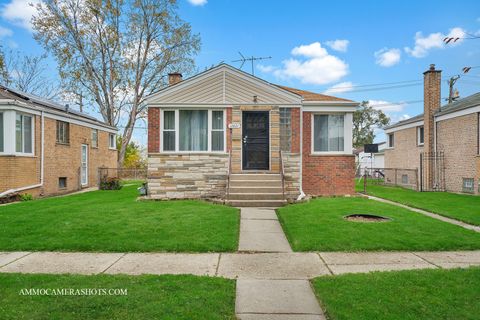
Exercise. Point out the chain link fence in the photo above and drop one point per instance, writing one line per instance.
(406, 178)
(105, 174)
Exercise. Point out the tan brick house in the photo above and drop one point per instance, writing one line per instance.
(452, 129)
(227, 134)
(47, 149)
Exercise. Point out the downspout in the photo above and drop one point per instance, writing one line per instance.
(302, 194)
(41, 164)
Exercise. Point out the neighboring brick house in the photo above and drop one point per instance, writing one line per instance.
(229, 135)
(47, 149)
(452, 129)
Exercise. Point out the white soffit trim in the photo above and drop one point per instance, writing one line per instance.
(222, 69)
(328, 108)
(71, 118)
(405, 126)
(458, 113)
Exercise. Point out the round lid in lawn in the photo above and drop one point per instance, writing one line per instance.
(362, 217)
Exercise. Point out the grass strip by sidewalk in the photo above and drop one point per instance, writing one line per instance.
(462, 207)
(113, 221)
(319, 225)
(403, 295)
(148, 297)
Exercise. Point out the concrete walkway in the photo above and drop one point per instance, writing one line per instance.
(269, 285)
(272, 281)
(260, 231)
(429, 214)
(261, 266)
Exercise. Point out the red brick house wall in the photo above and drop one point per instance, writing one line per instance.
(325, 174)
(153, 130)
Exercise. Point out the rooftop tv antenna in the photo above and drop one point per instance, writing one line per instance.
(251, 59)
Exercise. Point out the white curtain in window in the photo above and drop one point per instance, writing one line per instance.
(193, 130)
(328, 134)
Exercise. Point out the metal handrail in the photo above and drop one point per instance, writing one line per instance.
(228, 172)
(282, 173)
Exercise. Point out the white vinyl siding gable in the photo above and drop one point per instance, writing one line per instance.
(223, 86)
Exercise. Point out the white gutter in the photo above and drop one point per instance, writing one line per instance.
(41, 165)
(302, 194)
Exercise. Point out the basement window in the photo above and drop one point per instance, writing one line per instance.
(468, 185)
(62, 183)
(404, 178)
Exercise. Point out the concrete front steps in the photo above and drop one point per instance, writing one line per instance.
(255, 190)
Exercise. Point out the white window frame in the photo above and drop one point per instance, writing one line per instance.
(389, 140)
(110, 145)
(347, 133)
(32, 130)
(209, 130)
(419, 143)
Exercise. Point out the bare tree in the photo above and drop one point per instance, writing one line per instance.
(27, 73)
(118, 52)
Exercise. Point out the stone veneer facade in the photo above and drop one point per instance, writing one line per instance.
(187, 176)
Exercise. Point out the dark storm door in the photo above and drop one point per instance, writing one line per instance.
(255, 140)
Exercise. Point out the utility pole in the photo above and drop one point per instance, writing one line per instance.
(451, 83)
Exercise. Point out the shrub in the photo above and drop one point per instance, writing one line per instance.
(110, 184)
(26, 197)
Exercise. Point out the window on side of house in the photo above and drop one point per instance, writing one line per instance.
(391, 140)
(420, 136)
(328, 133)
(468, 185)
(168, 131)
(193, 131)
(63, 132)
(404, 178)
(1, 133)
(112, 144)
(94, 138)
(285, 129)
(218, 131)
(23, 133)
(62, 182)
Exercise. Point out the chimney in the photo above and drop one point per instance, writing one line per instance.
(174, 78)
(431, 103)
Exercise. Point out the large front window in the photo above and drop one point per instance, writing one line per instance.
(193, 130)
(23, 133)
(328, 133)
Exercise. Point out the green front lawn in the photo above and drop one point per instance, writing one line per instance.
(318, 225)
(148, 297)
(115, 221)
(421, 294)
(457, 206)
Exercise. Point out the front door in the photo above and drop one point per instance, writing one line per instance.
(84, 165)
(255, 140)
